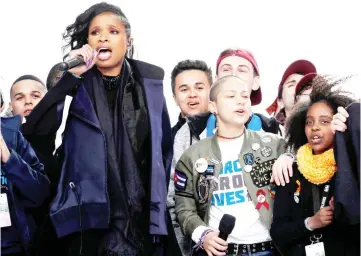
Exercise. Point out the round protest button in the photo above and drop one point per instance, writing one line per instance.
(255, 146)
(248, 168)
(201, 165)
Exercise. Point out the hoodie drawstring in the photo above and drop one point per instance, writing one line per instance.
(73, 188)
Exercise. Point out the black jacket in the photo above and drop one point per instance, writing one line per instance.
(288, 230)
(40, 130)
(347, 182)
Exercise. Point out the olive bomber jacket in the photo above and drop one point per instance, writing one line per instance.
(259, 152)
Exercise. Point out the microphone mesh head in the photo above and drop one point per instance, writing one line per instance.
(227, 223)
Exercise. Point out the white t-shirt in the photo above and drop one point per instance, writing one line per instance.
(231, 197)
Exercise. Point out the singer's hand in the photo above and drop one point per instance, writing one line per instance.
(322, 218)
(213, 245)
(4, 151)
(89, 55)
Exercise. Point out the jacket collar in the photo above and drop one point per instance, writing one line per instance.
(198, 123)
(83, 107)
(181, 119)
(180, 123)
(145, 70)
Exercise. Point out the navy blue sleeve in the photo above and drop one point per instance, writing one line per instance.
(44, 121)
(167, 142)
(26, 174)
(45, 118)
(347, 181)
(353, 124)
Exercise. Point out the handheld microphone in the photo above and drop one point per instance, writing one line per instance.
(74, 62)
(226, 226)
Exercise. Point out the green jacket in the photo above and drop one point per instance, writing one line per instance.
(192, 204)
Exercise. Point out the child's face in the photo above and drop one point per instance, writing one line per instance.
(318, 127)
(25, 95)
(233, 104)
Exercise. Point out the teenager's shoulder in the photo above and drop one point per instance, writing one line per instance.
(201, 145)
(198, 149)
(269, 124)
(264, 136)
(184, 129)
(194, 153)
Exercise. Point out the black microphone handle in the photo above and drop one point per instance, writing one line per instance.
(223, 236)
(69, 64)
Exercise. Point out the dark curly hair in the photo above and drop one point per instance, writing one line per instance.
(324, 89)
(76, 34)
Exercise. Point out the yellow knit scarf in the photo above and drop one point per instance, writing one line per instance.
(317, 169)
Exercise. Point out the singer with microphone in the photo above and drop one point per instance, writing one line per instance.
(222, 198)
(304, 209)
(116, 145)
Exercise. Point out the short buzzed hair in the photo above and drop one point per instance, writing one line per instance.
(217, 86)
(27, 77)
